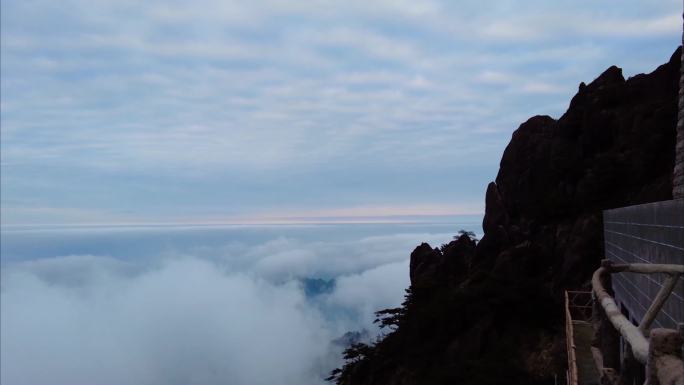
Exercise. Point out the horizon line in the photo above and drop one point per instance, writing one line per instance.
(389, 219)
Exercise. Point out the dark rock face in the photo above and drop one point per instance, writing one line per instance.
(492, 313)
(434, 267)
(612, 148)
(425, 265)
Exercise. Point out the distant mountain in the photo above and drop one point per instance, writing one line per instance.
(351, 338)
(491, 312)
(314, 287)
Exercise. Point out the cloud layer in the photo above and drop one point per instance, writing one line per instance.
(160, 111)
(219, 314)
(184, 323)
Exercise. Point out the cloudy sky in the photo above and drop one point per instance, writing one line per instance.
(217, 111)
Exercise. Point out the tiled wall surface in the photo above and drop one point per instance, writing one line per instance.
(650, 233)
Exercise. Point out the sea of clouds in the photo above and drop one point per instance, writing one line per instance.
(224, 314)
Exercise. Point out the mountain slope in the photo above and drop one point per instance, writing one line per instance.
(491, 312)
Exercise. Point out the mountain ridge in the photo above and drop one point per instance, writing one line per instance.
(491, 312)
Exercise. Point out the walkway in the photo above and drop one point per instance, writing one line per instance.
(586, 366)
(579, 332)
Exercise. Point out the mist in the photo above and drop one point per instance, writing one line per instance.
(184, 323)
(222, 315)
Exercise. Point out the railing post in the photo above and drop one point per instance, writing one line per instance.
(606, 337)
(665, 365)
(570, 341)
(658, 302)
(630, 332)
(662, 354)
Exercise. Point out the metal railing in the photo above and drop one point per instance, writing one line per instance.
(570, 341)
(662, 352)
(577, 307)
(647, 233)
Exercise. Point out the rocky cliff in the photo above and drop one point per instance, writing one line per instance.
(491, 312)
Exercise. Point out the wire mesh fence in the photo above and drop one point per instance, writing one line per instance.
(649, 233)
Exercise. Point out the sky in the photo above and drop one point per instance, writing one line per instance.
(265, 111)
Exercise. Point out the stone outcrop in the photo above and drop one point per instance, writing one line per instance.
(678, 175)
(610, 149)
(492, 313)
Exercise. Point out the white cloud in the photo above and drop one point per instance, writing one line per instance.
(495, 77)
(560, 24)
(211, 314)
(185, 323)
(220, 91)
(541, 88)
(637, 27)
(25, 214)
(383, 211)
(514, 83)
(285, 258)
(367, 42)
(371, 290)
